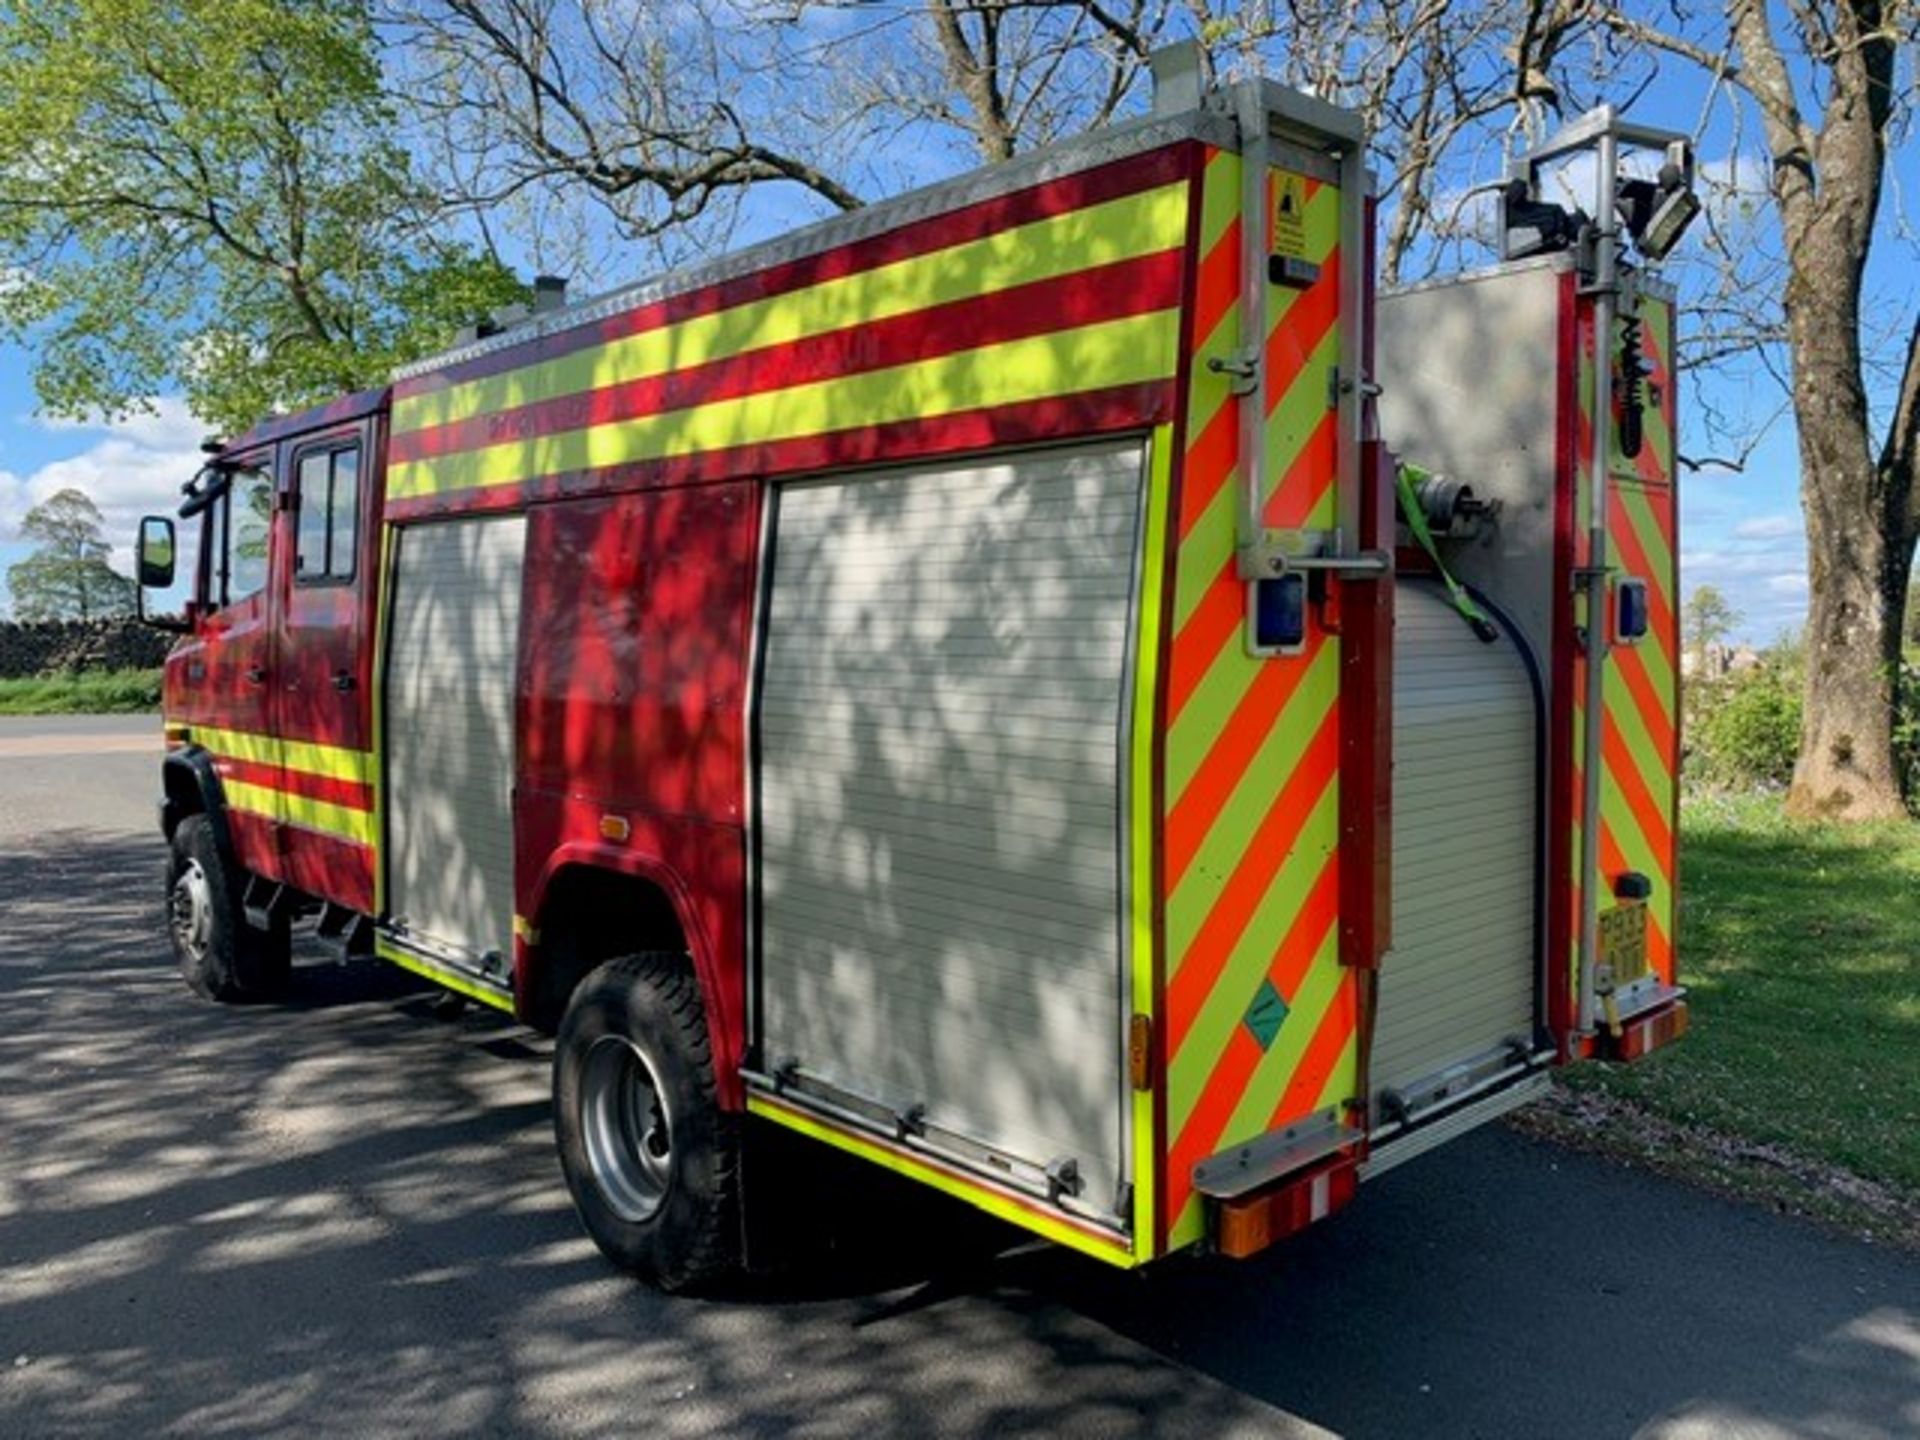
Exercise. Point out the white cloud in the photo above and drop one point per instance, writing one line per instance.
(135, 467)
(1768, 527)
(169, 426)
(1792, 582)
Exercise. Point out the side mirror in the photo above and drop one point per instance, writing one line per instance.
(155, 552)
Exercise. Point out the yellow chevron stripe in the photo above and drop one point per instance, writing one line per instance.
(1133, 350)
(1045, 249)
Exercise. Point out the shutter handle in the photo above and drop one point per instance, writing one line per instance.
(343, 680)
(256, 674)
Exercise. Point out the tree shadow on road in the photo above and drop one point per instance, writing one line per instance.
(343, 1216)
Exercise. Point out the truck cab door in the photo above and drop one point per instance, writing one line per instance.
(321, 701)
(229, 667)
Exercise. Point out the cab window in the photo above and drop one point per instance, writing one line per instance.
(240, 525)
(327, 483)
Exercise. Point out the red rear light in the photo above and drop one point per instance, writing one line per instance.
(1248, 1224)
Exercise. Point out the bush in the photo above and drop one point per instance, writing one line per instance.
(1745, 728)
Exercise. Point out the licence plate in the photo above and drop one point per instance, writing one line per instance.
(1623, 943)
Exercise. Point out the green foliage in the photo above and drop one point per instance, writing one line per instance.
(83, 692)
(208, 196)
(67, 576)
(1744, 729)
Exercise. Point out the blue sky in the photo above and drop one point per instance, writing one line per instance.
(1740, 531)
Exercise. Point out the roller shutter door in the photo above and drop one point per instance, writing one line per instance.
(453, 644)
(941, 723)
(1459, 980)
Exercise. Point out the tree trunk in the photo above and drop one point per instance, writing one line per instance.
(1858, 551)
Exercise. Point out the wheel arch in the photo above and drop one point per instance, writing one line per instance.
(189, 785)
(593, 903)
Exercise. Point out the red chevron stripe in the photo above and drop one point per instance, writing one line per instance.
(1107, 292)
(1217, 287)
(1213, 782)
(1631, 664)
(1323, 1052)
(1210, 627)
(1227, 1085)
(1308, 479)
(1233, 908)
(1633, 787)
(1659, 943)
(1210, 461)
(1301, 330)
(1633, 557)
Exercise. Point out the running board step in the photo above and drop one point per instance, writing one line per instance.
(1408, 1144)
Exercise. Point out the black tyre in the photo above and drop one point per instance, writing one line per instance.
(652, 1160)
(221, 956)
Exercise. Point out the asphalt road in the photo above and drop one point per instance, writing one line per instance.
(341, 1216)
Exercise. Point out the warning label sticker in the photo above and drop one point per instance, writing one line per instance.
(1289, 214)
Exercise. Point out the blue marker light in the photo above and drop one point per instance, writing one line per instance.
(1630, 610)
(1280, 612)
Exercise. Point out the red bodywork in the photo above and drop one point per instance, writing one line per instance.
(294, 661)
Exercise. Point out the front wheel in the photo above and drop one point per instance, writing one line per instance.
(651, 1159)
(220, 955)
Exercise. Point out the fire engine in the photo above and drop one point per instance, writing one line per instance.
(970, 683)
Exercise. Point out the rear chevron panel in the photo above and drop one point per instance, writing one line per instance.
(1259, 1014)
(1641, 743)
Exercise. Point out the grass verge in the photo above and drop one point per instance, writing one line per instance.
(81, 692)
(1800, 1082)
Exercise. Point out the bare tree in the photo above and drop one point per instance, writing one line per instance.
(668, 116)
(1827, 83)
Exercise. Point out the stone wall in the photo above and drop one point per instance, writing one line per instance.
(40, 646)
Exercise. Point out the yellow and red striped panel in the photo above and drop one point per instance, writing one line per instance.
(1640, 745)
(1258, 1013)
(322, 788)
(1053, 310)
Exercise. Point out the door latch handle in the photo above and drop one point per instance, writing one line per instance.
(256, 674)
(343, 680)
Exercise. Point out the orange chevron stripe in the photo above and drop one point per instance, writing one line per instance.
(1212, 784)
(1647, 815)
(1215, 621)
(1633, 556)
(1308, 481)
(1210, 461)
(1272, 843)
(1631, 666)
(1217, 286)
(1316, 1065)
(1227, 1085)
(1301, 329)
(1659, 943)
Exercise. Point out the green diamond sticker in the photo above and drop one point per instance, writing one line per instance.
(1264, 1016)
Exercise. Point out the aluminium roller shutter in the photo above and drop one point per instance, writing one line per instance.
(1459, 981)
(942, 725)
(453, 645)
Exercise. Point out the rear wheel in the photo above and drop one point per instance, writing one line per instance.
(220, 955)
(651, 1159)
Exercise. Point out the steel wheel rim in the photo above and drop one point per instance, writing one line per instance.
(627, 1128)
(190, 911)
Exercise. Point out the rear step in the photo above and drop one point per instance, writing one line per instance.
(1489, 1104)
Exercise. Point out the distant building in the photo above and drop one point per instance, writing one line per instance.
(1717, 660)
